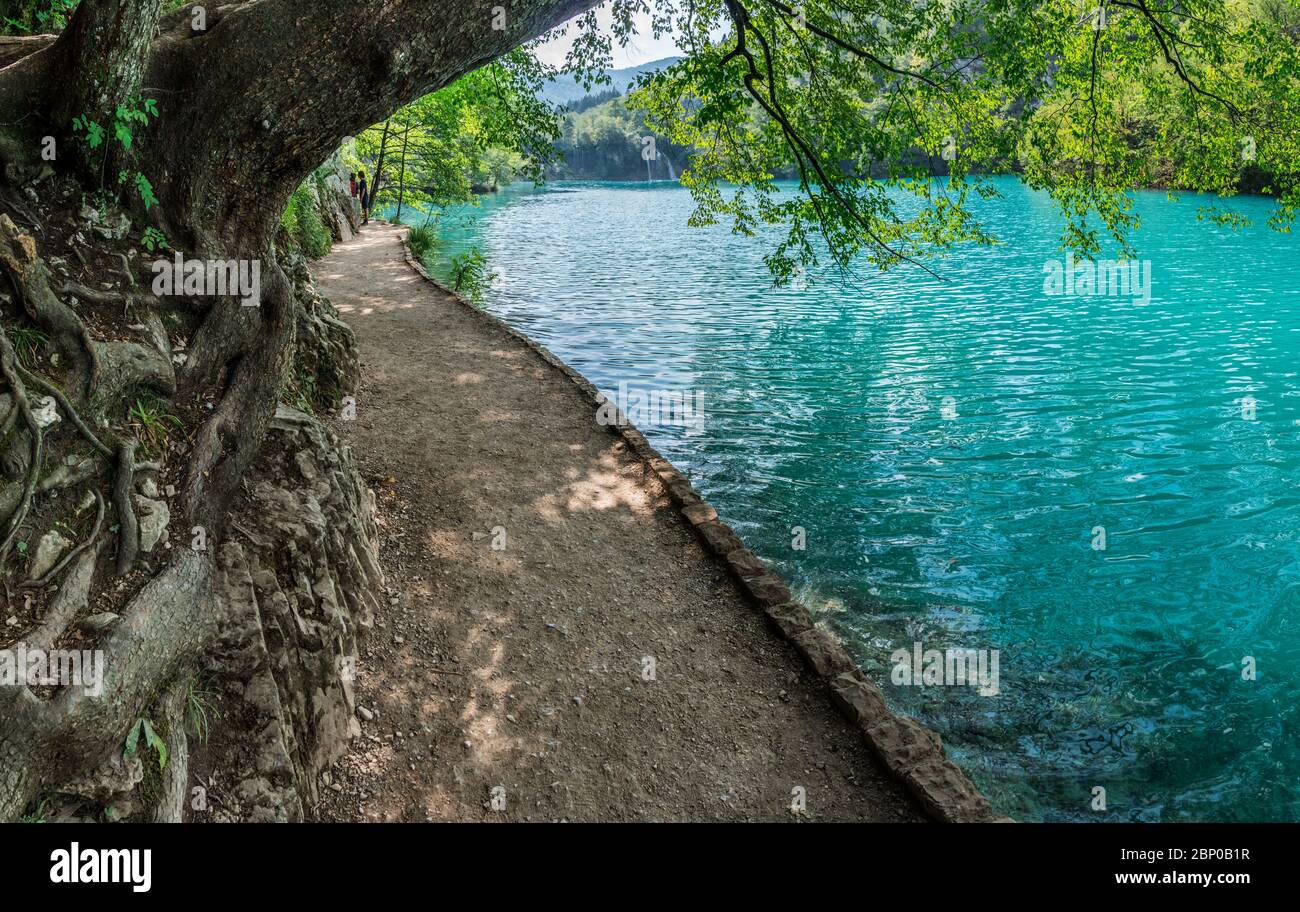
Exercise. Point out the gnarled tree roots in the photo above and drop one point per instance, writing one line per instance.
(235, 614)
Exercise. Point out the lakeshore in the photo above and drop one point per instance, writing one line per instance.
(557, 637)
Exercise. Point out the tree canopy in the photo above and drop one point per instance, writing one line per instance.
(1085, 100)
(484, 130)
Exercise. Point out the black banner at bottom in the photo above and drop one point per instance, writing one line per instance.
(340, 861)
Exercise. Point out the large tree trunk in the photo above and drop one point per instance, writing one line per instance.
(248, 107)
(105, 48)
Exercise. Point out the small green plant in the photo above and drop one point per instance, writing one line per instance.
(151, 739)
(21, 547)
(38, 814)
(154, 240)
(124, 116)
(152, 422)
(302, 389)
(142, 186)
(126, 120)
(94, 132)
(422, 240)
(54, 14)
(27, 342)
(470, 274)
(302, 403)
(302, 220)
(198, 707)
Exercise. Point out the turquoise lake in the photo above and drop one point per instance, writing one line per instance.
(954, 449)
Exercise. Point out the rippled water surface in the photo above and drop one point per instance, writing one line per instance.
(950, 446)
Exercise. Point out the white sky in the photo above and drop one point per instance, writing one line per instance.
(642, 49)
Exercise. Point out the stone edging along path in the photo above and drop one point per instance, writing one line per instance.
(909, 751)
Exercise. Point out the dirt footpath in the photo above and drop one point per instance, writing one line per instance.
(557, 645)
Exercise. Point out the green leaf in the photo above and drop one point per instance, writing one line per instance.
(153, 239)
(146, 191)
(157, 743)
(94, 133)
(133, 738)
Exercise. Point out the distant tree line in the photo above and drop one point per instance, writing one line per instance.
(602, 139)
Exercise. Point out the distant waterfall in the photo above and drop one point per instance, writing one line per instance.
(668, 163)
(672, 172)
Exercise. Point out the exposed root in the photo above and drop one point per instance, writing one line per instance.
(63, 476)
(17, 208)
(128, 543)
(10, 419)
(72, 599)
(91, 295)
(71, 555)
(126, 470)
(171, 803)
(50, 389)
(226, 444)
(126, 270)
(163, 630)
(31, 280)
(9, 369)
(15, 47)
(126, 364)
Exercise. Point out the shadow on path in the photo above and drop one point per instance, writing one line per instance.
(537, 573)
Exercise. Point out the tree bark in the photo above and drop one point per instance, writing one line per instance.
(16, 47)
(168, 623)
(248, 108)
(273, 88)
(105, 48)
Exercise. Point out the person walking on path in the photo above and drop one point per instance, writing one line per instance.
(364, 192)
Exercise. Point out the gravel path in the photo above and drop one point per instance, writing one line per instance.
(537, 574)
